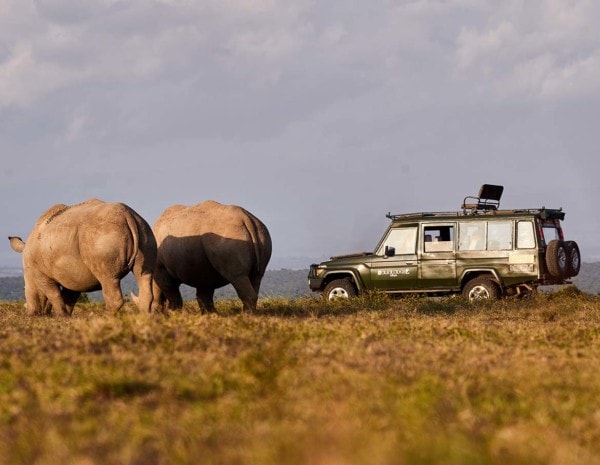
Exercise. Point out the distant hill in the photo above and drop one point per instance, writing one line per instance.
(588, 279)
(276, 283)
(11, 288)
(10, 271)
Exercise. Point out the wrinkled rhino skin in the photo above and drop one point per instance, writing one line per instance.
(83, 248)
(207, 246)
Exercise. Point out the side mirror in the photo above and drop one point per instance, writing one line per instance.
(390, 251)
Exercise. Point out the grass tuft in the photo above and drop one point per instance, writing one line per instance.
(122, 389)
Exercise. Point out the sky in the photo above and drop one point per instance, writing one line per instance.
(317, 116)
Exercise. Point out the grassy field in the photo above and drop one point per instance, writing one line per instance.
(371, 381)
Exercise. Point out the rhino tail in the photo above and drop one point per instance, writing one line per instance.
(135, 235)
(16, 243)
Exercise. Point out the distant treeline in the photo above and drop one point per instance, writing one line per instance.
(276, 283)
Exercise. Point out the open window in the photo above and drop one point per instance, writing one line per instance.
(438, 238)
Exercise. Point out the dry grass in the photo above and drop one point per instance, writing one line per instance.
(371, 381)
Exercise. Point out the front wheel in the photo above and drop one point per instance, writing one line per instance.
(339, 289)
(481, 289)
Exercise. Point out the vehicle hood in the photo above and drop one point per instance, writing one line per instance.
(352, 255)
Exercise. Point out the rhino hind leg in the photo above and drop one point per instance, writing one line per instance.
(158, 298)
(256, 280)
(166, 290)
(113, 297)
(51, 299)
(206, 299)
(70, 298)
(246, 292)
(144, 300)
(171, 297)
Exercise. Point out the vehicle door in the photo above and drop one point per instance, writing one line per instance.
(437, 256)
(524, 261)
(394, 265)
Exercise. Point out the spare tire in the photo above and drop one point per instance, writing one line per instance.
(573, 258)
(557, 259)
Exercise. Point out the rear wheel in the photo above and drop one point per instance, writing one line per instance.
(481, 289)
(557, 259)
(573, 258)
(339, 289)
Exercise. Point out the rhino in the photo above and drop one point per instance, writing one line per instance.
(207, 246)
(83, 248)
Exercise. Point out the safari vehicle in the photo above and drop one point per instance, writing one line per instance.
(480, 251)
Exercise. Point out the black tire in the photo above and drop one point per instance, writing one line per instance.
(481, 288)
(339, 289)
(557, 259)
(573, 258)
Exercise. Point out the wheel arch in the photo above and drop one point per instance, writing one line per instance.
(341, 274)
(490, 273)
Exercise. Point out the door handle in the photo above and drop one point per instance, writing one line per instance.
(408, 263)
(451, 262)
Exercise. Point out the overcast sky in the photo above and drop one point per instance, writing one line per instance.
(317, 116)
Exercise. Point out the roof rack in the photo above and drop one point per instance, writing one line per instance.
(488, 199)
(543, 212)
(486, 203)
(420, 215)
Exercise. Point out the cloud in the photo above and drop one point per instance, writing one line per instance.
(544, 50)
(64, 45)
(75, 128)
(144, 70)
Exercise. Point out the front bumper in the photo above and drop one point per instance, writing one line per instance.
(314, 283)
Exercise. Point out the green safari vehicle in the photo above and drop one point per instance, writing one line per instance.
(480, 251)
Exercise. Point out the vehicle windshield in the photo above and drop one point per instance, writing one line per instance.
(402, 239)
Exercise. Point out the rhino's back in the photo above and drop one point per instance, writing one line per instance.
(68, 241)
(87, 222)
(209, 240)
(206, 217)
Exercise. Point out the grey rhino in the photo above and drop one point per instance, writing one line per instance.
(207, 246)
(83, 248)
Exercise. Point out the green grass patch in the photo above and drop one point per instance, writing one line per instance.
(372, 380)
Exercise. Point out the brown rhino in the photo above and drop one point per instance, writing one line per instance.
(207, 246)
(84, 248)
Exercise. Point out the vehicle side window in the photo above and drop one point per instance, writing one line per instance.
(499, 235)
(525, 235)
(403, 240)
(471, 236)
(438, 238)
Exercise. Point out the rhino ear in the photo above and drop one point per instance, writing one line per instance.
(16, 243)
